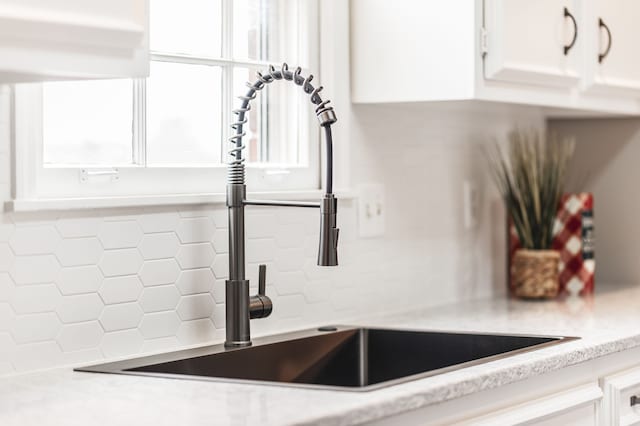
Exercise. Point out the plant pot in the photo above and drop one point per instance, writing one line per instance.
(534, 274)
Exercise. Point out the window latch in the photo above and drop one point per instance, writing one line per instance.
(484, 42)
(99, 175)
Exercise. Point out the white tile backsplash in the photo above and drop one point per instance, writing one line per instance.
(159, 246)
(194, 281)
(35, 240)
(79, 251)
(198, 255)
(195, 306)
(81, 286)
(159, 272)
(159, 324)
(84, 279)
(121, 343)
(80, 336)
(7, 258)
(7, 287)
(29, 299)
(78, 225)
(117, 235)
(159, 298)
(196, 331)
(120, 262)
(195, 230)
(121, 316)
(120, 289)
(79, 308)
(36, 327)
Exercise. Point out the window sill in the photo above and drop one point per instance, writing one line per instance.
(57, 204)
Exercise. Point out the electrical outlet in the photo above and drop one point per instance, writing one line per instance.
(471, 205)
(371, 210)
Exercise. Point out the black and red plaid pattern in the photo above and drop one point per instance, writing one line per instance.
(573, 239)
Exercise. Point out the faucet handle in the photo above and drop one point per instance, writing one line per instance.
(260, 305)
(262, 280)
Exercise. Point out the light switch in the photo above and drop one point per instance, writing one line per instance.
(371, 210)
(471, 204)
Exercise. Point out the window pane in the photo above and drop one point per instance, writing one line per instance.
(187, 26)
(87, 122)
(183, 114)
(270, 30)
(277, 131)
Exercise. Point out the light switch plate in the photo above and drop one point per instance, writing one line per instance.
(371, 210)
(471, 203)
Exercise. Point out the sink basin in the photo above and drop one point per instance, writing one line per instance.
(346, 358)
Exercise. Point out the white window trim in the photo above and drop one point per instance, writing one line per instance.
(45, 188)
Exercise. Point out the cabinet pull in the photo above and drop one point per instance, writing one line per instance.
(635, 400)
(603, 55)
(568, 47)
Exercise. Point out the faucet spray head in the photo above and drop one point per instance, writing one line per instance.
(328, 248)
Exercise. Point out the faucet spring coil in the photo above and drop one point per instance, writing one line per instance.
(324, 112)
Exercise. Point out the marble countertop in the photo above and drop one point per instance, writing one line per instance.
(606, 324)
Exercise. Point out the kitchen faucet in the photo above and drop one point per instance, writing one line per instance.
(240, 307)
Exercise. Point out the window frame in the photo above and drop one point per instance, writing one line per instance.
(35, 181)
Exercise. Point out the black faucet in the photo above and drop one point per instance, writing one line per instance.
(240, 307)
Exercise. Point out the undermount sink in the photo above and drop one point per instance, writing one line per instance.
(346, 358)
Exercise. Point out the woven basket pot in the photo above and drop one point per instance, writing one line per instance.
(534, 274)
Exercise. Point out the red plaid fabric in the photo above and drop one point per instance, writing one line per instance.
(573, 238)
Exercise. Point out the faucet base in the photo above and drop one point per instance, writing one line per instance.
(237, 313)
(237, 344)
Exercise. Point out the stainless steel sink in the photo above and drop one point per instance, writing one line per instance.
(346, 358)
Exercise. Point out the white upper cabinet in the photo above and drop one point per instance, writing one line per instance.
(533, 41)
(412, 50)
(612, 56)
(72, 39)
(543, 53)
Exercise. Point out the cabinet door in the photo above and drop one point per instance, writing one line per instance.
(621, 403)
(612, 59)
(574, 407)
(73, 39)
(534, 42)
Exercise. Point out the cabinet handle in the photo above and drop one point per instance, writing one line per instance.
(568, 47)
(601, 56)
(635, 400)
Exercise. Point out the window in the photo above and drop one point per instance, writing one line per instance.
(168, 133)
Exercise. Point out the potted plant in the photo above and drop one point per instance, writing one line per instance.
(530, 174)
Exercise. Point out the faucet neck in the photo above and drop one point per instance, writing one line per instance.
(240, 307)
(324, 112)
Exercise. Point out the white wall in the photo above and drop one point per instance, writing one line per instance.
(606, 163)
(81, 286)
